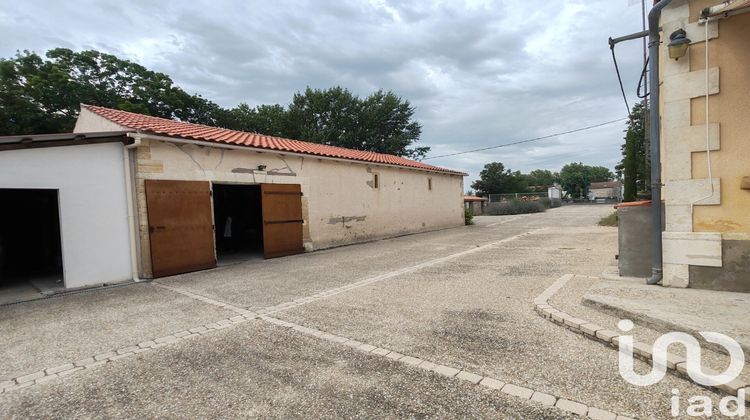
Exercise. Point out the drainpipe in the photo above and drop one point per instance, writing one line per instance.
(130, 205)
(655, 130)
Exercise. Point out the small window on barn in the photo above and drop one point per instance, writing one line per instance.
(429, 184)
(376, 180)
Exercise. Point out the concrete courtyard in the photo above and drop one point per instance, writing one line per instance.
(440, 324)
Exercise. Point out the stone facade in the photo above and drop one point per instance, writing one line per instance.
(340, 204)
(701, 211)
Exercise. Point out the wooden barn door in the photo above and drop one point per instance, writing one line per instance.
(282, 219)
(180, 225)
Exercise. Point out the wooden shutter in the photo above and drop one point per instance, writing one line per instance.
(180, 224)
(282, 219)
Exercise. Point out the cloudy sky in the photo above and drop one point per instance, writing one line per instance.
(480, 73)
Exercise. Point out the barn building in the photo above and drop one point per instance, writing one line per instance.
(129, 196)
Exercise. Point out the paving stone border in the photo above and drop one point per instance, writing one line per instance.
(676, 364)
(101, 359)
(517, 391)
(244, 315)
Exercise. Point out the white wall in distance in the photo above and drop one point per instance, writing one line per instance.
(93, 205)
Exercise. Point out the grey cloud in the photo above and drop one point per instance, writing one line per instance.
(479, 73)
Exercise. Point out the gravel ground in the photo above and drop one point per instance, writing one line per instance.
(55, 331)
(568, 299)
(259, 370)
(477, 313)
(472, 312)
(259, 284)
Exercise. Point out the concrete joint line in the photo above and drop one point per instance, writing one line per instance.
(675, 363)
(345, 288)
(204, 299)
(92, 362)
(517, 391)
(54, 372)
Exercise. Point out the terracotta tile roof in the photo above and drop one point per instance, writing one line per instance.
(605, 184)
(470, 198)
(171, 128)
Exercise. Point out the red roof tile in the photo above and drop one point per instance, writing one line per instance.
(470, 198)
(171, 128)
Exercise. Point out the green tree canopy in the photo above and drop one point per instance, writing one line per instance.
(43, 95)
(542, 177)
(576, 178)
(40, 95)
(635, 167)
(495, 179)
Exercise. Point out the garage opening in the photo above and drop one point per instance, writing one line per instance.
(30, 250)
(238, 221)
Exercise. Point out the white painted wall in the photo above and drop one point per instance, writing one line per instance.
(93, 212)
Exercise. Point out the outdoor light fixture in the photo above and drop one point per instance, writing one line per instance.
(678, 44)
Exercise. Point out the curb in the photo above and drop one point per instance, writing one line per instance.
(676, 364)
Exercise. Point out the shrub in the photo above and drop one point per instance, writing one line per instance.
(468, 217)
(610, 220)
(550, 202)
(515, 207)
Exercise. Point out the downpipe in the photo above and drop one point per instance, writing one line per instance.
(655, 132)
(131, 205)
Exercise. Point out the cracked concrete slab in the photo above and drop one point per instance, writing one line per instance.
(258, 284)
(260, 370)
(55, 331)
(477, 313)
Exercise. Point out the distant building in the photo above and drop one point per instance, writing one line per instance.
(475, 204)
(611, 190)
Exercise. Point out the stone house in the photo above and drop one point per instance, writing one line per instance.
(705, 145)
(140, 196)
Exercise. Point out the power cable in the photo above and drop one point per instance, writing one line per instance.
(528, 140)
(619, 78)
(641, 80)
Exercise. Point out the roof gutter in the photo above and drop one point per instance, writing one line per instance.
(138, 136)
(654, 16)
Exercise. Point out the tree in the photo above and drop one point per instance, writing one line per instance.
(271, 120)
(635, 167)
(542, 178)
(495, 179)
(44, 95)
(575, 178)
(599, 174)
(382, 122)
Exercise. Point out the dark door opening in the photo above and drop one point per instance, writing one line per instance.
(238, 221)
(30, 249)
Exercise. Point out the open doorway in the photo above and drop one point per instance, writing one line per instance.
(30, 249)
(238, 222)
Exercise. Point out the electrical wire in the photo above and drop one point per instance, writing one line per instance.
(708, 131)
(619, 78)
(528, 140)
(640, 81)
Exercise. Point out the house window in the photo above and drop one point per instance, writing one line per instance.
(429, 184)
(376, 181)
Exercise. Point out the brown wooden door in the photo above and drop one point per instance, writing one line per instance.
(180, 224)
(282, 219)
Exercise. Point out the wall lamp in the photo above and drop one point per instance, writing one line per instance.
(678, 44)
